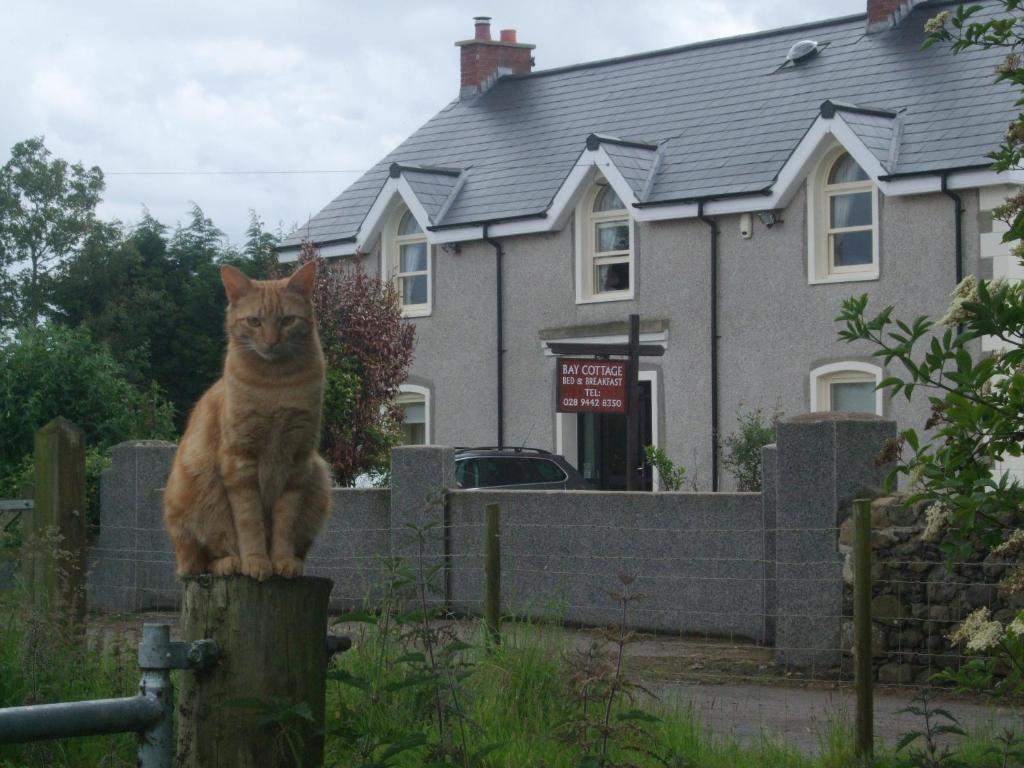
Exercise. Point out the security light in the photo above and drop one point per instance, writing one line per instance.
(769, 218)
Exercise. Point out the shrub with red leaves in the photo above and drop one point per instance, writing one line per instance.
(369, 348)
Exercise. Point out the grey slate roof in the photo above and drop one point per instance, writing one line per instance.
(724, 115)
(435, 189)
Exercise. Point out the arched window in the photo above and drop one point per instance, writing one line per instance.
(843, 203)
(408, 261)
(605, 268)
(415, 404)
(847, 386)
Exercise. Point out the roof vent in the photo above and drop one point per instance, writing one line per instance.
(801, 50)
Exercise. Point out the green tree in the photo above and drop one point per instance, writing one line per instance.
(259, 250)
(51, 371)
(155, 298)
(46, 208)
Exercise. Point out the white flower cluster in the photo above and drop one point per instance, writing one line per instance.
(1016, 627)
(936, 23)
(979, 632)
(965, 291)
(936, 519)
(1013, 545)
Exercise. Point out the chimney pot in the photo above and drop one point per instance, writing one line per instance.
(508, 36)
(483, 27)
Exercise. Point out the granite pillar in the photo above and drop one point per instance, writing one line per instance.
(421, 476)
(823, 462)
(132, 560)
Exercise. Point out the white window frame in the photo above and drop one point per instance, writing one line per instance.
(846, 372)
(391, 248)
(820, 268)
(586, 258)
(410, 393)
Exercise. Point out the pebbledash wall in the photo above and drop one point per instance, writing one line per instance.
(761, 566)
(774, 326)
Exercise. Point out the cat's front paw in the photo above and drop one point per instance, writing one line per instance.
(286, 566)
(225, 566)
(258, 568)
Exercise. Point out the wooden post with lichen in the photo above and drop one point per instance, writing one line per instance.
(862, 655)
(54, 562)
(492, 568)
(262, 704)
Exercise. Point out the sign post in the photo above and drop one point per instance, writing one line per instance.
(633, 416)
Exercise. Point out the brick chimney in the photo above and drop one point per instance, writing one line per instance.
(485, 60)
(885, 14)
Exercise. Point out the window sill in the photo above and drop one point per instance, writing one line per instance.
(603, 298)
(416, 312)
(850, 277)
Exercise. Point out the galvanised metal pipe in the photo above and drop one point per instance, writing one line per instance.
(79, 718)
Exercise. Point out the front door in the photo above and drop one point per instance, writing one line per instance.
(601, 449)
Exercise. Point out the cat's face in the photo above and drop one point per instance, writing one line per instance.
(272, 319)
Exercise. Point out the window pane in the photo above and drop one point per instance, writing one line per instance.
(613, 236)
(413, 258)
(408, 225)
(856, 396)
(544, 471)
(467, 473)
(845, 170)
(851, 210)
(607, 200)
(415, 413)
(613, 277)
(851, 249)
(414, 290)
(501, 471)
(414, 434)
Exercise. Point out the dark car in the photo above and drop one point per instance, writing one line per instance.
(528, 468)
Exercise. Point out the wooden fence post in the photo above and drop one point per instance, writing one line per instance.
(862, 653)
(492, 568)
(55, 564)
(262, 705)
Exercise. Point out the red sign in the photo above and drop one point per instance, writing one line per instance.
(591, 386)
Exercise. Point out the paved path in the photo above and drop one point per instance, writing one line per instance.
(800, 717)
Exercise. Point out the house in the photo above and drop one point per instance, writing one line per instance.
(732, 193)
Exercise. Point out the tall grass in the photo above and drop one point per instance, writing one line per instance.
(44, 658)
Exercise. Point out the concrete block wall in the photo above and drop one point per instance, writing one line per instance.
(760, 566)
(696, 557)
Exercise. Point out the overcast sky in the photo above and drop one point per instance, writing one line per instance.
(306, 85)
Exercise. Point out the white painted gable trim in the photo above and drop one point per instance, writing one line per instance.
(793, 173)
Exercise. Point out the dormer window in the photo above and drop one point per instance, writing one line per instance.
(843, 220)
(407, 259)
(605, 247)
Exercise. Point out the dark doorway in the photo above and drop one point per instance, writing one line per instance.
(601, 449)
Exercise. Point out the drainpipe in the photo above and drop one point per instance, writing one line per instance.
(499, 254)
(958, 223)
(958, 236)
(714, 342)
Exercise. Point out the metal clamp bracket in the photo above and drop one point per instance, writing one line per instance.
(157, 651)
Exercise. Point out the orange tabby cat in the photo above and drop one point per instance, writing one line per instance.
(248, 492)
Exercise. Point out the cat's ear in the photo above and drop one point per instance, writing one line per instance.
(236, 284)
(302, 279)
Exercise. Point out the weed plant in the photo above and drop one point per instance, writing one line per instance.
(45, 658)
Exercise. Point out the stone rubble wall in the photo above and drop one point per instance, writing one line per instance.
(917, 601)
